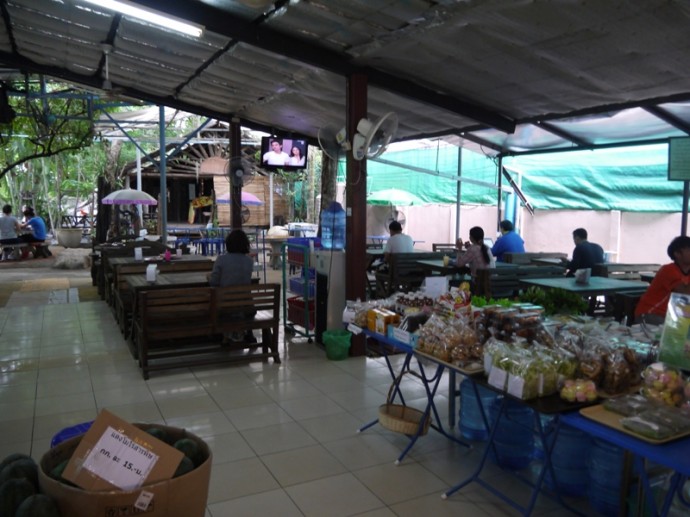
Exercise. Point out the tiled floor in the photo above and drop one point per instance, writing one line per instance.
(284, 437)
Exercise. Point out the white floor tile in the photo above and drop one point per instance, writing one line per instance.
(283, 437)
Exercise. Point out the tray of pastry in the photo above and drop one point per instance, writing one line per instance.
(469, 368)
(658, 424)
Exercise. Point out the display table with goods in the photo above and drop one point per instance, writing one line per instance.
(541, 365)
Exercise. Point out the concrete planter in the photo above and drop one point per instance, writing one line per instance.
(69, 237)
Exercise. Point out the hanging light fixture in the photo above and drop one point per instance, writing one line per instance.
(150, 16)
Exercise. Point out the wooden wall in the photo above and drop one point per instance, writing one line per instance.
(258, 215)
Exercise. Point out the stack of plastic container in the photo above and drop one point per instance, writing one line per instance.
(514, 438)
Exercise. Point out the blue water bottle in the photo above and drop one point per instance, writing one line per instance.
(333, 227)
(327, 218)
(339, 224)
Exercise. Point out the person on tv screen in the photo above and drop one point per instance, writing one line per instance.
(276, 156)
(296, 157)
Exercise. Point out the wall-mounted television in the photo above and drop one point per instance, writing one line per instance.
(284, 153)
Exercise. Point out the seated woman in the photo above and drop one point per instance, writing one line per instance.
(476, 255)
(38, 234)
(235, 268)
(671, 278)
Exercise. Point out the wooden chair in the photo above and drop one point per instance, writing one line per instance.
(404, 273)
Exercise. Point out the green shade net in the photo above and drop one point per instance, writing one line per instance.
(632, 179)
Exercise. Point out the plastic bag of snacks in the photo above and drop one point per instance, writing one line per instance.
(674, 348)
(453, 304)
(663, 384)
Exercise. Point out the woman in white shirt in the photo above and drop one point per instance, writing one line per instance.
(296, 158)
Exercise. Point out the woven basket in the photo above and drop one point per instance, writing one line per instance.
(400, 418)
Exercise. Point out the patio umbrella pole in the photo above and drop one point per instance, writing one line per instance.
(163, 188)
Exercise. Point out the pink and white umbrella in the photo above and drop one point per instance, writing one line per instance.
(247, 199)
(128, 196)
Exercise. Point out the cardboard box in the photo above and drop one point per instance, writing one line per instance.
(183, 496)
(379, 319)
(403, 336)
(114, 454)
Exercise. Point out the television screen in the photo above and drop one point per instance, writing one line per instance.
(283, 153)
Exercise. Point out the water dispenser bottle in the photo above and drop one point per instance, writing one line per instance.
(333, 223)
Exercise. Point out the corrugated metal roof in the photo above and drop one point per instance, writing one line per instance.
(503, 76)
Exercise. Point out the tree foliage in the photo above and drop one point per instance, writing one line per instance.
(50, 119)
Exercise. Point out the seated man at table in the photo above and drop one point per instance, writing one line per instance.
(398, 242)
(671, 278)
(508, 242)
(235, 268)
(38, 234)
(585, 255)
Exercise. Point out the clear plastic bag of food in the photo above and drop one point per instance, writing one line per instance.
(663, 384)
(627, 405)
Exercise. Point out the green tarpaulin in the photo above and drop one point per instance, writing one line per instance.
(631, 179)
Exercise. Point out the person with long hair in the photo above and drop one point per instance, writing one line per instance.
(296, 158)
(476, 255)
(235, 268)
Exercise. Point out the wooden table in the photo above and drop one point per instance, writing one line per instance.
(193, 279)
(596, 286)
(437, 266)
(549, 261)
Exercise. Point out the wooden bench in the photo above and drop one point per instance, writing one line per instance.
(244, 300)
(122, 294)
(19, 245)
(528, 257)
(504, 282)
(184, 327)
(624, 271)
(404, 273)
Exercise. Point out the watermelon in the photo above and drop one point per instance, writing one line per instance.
(22, 468)
(12, 493)
(12, 458)
(159, 433)
(190, 449)
(186, 465)
(57, 470)
(38, 505)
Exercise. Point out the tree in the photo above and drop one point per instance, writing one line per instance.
(50, 119)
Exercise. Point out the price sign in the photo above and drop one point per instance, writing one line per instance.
(120, 460)
(679, 159)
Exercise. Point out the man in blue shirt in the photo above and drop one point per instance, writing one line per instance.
(508, 242)
(38, 234)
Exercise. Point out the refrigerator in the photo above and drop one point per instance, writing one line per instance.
(330, 290)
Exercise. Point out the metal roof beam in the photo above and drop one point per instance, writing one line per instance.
(669, 118)
(224, 23)
(546, 126)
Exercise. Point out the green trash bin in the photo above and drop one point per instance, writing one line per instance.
(337, 343)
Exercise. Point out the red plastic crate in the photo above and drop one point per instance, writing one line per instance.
(295, 254)
(297, 311)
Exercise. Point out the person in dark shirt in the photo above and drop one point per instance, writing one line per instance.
(586, 254)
